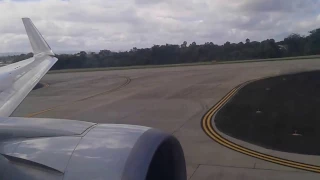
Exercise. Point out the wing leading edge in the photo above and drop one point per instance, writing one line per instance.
(18, 79)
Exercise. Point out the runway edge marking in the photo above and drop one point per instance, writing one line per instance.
(206, 124)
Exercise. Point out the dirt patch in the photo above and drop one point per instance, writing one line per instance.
(281, 113)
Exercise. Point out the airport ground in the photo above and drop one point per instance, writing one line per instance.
(181, 101)
(279, 113)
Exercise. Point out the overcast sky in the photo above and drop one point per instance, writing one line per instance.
(123, 24)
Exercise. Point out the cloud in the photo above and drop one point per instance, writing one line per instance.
(123, 24)
(283, 6)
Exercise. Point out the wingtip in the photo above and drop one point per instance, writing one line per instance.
(25, 18)
(38, 43)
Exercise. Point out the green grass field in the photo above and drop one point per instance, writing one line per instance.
(185, 64)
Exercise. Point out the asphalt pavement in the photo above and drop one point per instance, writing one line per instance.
(175, 100)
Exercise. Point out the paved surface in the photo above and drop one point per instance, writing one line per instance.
(283, 101)
(172, 99)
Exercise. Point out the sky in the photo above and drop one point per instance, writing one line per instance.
(119, 25)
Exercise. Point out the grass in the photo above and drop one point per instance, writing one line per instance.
(184, 64)
(275, 59)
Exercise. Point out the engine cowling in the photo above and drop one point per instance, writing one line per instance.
(66, 149)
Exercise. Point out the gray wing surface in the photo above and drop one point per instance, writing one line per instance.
(18, 79)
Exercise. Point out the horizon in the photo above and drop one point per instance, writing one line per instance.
(97, 51)
(119, 26)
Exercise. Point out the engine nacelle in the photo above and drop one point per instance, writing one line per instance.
(66, 149)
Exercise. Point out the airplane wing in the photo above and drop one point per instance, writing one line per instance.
(56, 149)
(18, 79)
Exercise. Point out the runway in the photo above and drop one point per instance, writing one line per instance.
(175, 100)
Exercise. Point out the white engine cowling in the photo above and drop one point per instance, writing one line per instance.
(67, 149)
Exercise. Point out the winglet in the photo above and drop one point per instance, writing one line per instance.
(39, 45)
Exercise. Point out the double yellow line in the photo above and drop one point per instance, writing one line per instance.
(207, 127)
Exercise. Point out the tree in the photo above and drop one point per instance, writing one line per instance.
(134, 49)
(313, 42)
(227, 43)
(295, 45)
(193, 44)
(184, 44)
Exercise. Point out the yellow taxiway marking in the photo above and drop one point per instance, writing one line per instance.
(128, 80)
(207, 127)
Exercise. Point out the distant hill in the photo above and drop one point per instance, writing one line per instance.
(66, 52)
(18, 53)
(11, 53)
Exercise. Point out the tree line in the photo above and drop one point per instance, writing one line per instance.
(293, 45)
